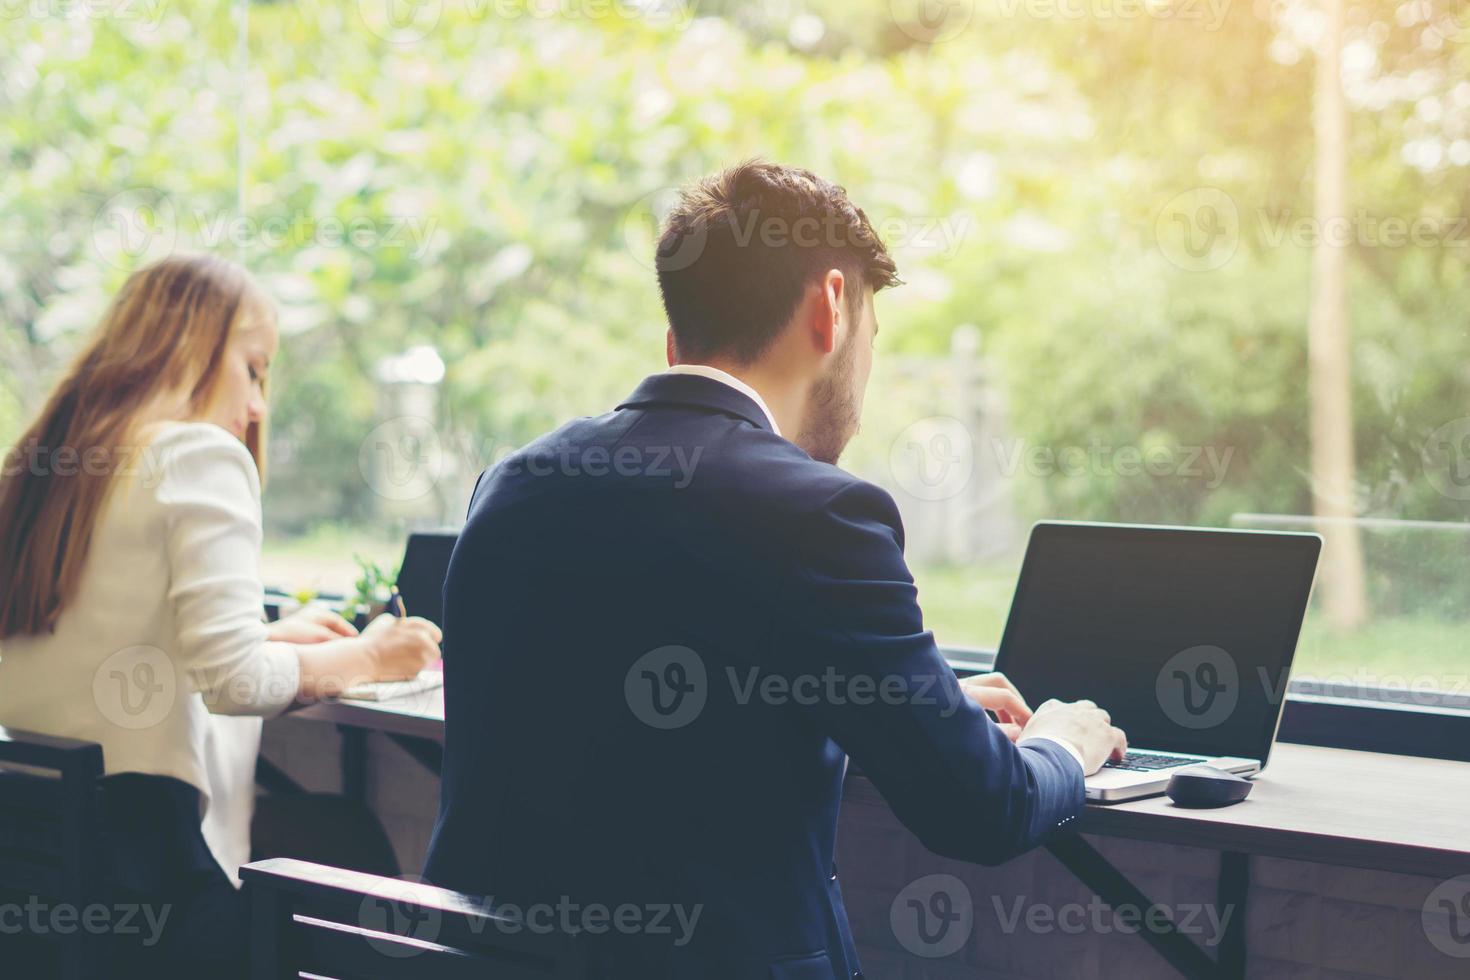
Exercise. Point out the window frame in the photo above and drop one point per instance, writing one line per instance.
(1429, 725)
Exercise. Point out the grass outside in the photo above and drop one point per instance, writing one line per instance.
(325, 559)
(967, 607)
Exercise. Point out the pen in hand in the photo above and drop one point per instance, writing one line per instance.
(399, 610)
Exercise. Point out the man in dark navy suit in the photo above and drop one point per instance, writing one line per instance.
(669, 627)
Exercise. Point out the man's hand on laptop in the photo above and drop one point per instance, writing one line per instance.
(995, 693)
(1084, 725)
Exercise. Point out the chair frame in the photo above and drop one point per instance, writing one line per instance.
(45, 775)
(310, 918)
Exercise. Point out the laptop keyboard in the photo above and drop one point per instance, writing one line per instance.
(1147, 762)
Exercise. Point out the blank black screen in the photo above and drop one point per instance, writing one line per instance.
(421, 577)
(1136, 619)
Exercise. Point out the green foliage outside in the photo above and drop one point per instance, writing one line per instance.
(497, 175)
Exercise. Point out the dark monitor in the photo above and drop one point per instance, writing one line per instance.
(421, 577)
(1185, 636)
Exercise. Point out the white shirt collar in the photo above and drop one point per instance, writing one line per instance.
(724, 377)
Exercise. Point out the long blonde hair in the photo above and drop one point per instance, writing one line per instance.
(156, 355)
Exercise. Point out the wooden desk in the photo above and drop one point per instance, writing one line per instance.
(416, 716)
(1333, 806)
(415, 723)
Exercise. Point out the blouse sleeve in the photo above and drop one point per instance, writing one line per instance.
(209, 490)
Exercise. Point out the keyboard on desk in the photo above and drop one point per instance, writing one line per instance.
(1148, 762)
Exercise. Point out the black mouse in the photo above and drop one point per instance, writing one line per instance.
(1206, 786)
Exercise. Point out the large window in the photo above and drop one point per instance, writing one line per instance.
(1166, 261)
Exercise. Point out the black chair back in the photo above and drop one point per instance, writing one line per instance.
(315, 921)
(48, 837)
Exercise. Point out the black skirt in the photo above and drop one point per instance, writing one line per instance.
(171, 911)
(156, 855)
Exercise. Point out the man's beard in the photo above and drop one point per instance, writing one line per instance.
(832, 414)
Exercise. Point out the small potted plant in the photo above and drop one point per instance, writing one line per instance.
(374, 586)
(280, 604)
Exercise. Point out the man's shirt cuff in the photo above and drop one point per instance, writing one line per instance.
(1072, 750)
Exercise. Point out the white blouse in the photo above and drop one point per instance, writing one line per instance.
(161, 656)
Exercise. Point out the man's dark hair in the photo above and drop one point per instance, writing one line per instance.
(741, 246)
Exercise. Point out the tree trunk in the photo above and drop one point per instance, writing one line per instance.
(1344, 592)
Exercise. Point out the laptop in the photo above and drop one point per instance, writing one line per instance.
(421, 576)
(1184, 635)
(421, 584)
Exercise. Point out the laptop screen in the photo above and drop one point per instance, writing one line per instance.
(421, 578)
(1184, 636)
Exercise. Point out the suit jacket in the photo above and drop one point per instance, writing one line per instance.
(666, 630)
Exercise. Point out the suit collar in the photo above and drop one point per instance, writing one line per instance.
(700, 392)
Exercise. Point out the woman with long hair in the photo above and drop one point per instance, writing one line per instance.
(131, 604)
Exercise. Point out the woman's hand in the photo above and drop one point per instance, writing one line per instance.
(994, 692)
(390, 649)
(400, 648)
(310, 624)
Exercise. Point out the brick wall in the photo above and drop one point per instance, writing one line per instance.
(1028, 919)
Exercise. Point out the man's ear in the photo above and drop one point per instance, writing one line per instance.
(829, 317)
(670, 352)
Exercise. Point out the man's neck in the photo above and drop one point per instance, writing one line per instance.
(785, 399)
